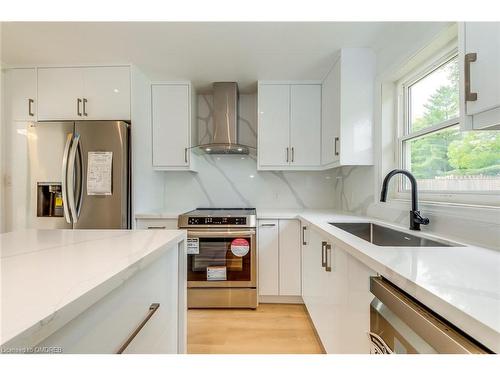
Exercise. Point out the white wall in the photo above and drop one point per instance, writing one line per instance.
(357, 189)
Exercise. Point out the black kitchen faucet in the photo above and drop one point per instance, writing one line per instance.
(415, 218)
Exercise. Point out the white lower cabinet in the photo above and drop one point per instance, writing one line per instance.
(279, 258)
(105, 326)
(163, 223)
(335, 290)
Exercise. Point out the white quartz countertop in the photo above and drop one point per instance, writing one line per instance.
(462, 284)
(48, 277)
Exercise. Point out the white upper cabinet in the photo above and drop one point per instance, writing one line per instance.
(479, 56)
(305, 125)
(84, 93)
(274, 125)
(106, 93)
(171, 121)
(347, 109)
(289, 126)
(60, 93)
(20, 98)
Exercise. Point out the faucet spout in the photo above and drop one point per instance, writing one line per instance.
(415, 218)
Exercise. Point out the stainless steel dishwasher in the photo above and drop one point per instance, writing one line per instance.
(401, 325)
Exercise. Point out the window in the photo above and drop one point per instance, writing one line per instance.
(441, 156)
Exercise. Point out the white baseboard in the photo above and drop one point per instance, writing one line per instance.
(281, 299)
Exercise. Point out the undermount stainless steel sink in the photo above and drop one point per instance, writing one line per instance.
(383, 236)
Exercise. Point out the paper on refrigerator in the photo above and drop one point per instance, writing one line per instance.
(99, 172)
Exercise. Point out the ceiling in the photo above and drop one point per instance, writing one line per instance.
(201, 52)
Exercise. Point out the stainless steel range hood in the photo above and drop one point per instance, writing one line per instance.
(225, 139)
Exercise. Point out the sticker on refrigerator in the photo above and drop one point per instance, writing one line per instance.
(216, 273)
(240, 247)
(99, 172)
(193, 246)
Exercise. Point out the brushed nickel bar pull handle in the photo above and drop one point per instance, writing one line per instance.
(185, 155)
(267, 225)
(152, 310)
(84, 109)
(30, 111)
(157, 227)
(328, 263)
(304, 242)
(78, 112)
(323, 254)
(469, 96)
(293, 154)
(335, 146)
(287, 155)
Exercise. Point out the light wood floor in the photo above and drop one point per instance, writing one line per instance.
(270, 329)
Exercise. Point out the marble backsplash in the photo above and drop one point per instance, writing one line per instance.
(233, 180)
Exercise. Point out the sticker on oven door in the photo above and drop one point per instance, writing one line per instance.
(240, 247)
(216, 273)
(193, 246)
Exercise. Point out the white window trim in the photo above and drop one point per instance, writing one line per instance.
(468, 198)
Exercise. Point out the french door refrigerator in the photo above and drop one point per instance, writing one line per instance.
(79, 175)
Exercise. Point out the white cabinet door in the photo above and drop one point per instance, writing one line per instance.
(106, 325)
(289, 258)
(167, 223)
(347, 109)
(330, 122)
(106, 93)
(314, 284)
(59, 90)
(483, 39)
(171, 121)
(268, 257)
(305, 125)
(274, 125)
(20, 94)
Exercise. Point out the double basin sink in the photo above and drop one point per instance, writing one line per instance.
(384, 236)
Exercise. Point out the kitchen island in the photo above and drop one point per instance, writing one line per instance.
(86, 291)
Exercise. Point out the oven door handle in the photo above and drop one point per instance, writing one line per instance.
(221, 233)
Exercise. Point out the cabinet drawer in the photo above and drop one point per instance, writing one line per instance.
(106, 325)
(156, 223)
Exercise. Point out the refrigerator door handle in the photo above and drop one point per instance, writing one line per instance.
(79, 192)
(71, 178)
(64, 180)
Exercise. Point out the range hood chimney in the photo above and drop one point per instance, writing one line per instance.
(225, 138)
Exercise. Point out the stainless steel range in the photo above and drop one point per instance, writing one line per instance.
(221, 257)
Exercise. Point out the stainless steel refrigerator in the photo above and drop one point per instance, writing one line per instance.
(79, 175)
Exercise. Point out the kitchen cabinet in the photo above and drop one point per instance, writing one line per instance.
(479, 59)
(289, 258)
(163, 223)
(289, 126)
(106, 325)
(268, 257)
(335, 290)
(347, 109)
(20, 99)
(172, 120)
(279, 259)
(84, 93)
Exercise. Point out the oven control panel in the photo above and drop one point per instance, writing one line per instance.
(235, 220)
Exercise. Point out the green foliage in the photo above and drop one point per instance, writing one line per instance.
(479, 151)
(449, 151)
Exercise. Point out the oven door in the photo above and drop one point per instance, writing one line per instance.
(221, 258)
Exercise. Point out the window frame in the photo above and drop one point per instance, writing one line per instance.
(403, 134)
